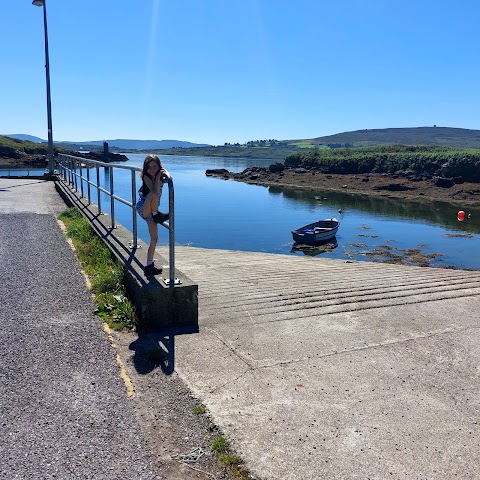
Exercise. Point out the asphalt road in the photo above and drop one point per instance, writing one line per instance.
(64, 412)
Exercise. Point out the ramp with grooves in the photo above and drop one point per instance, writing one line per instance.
(326, 367)
(260, 287)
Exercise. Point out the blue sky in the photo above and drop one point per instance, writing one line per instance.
(216, 71)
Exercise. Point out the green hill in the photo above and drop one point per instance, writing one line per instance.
(15, 148)
(441, 136)
(277, 150)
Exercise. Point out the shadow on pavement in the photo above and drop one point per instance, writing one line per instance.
(157, 349)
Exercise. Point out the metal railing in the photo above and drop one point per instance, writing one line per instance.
(26, 171)
(76, 171)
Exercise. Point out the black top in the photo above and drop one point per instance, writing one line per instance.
(143, 190)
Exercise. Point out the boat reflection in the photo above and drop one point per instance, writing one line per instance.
(315, 249)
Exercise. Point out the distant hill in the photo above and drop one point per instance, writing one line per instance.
(278, 150)
(123, 144)
(442, 136)
(22, 136)
(118, 144)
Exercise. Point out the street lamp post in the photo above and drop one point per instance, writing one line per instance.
(51, 161)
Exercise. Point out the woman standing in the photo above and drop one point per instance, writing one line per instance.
(153, 177)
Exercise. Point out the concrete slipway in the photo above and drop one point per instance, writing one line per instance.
(324, 369)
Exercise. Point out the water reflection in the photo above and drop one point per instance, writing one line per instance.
(317, 249)
(438, 213)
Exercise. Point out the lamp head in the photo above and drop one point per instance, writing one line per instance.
(38, 3)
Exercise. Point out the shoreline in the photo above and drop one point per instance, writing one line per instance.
(396, 187)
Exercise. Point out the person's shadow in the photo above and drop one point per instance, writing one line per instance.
(153, 349)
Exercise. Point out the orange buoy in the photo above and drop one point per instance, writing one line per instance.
(461, 216)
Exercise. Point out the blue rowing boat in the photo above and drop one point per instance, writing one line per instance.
(316, 232)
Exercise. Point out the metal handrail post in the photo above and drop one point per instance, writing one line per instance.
(81, 180)
(68, 171)
(112, 200)
(75, 174)
(171, 231)
(134, 211)
(99, 193)
(88, 184)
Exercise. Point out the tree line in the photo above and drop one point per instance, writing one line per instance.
(391, 159)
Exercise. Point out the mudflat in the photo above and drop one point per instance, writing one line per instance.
(413, 188)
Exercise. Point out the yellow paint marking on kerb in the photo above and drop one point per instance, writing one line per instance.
(126, 379)
(63, 228)
(123, 372)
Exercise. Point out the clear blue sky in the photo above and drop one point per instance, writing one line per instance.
(215, 71)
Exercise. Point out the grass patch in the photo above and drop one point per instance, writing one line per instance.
(228, 460)
(305, 144)
(198, 409)
(220, 444)
(104, 271)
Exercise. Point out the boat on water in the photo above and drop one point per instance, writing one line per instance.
(316, 232)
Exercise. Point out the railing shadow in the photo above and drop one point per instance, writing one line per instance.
(157, 349)
(23, 184)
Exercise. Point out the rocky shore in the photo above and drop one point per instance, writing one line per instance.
(404, 187)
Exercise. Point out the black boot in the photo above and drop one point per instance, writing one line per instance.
(152, 270)
(160, 217)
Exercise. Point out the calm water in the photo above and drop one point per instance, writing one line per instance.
(214, 213)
